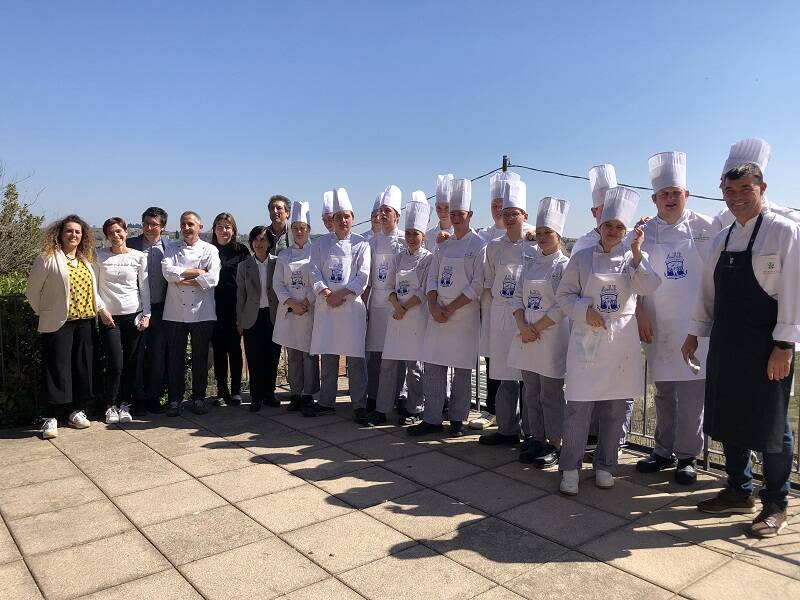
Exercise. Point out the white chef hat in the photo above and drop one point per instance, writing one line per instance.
(300, 212)
(620, 203)
(393, 197)
(515, 195)
(327, 203)
(377, 204)
(443, 183)
(460, 194)
(497, 180)
(601, 177)
(667, 169)
(418, 211)
(341, 201)
(752, 150)
(552, 213)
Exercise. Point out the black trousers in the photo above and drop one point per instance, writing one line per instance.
(152, 362)
(227, 345)
(67, 357)
(263, 356)
(120, 353)
(492, 385)
(177, 338)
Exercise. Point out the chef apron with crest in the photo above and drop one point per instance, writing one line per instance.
(341, 330)
(546, 356)
(484, 343)
(454, 343)
(292, 330)
(669, 309)
(502, 325)
(380, 309)
(404, 337)
(742, 406)
(605, 364)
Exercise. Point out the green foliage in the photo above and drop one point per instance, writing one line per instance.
(13, 283)
(20, 233)
(19, 358)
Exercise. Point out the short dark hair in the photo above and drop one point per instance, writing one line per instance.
(114, 221)
(156, 213)
(744, 170)
(254, 233)
(287, 204)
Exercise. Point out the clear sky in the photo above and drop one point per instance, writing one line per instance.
(212, 106)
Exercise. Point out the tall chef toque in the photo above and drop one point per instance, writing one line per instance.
(667, 169)
(620, 203)
(601, 178)
(497, 180)
(460, 195)
(341, 201)
(552, 213)
(418, 212)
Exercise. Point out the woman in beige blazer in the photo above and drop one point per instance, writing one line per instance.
(62, 290)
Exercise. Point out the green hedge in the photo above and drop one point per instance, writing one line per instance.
(19, 358)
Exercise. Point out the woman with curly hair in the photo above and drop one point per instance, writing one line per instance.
(62, 290)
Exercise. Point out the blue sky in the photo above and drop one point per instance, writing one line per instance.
(215, 106)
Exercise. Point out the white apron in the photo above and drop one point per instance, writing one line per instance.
(292, 330)
(404, 338)
(454, 343)
(670, 308)
(339, 330)
(548, 355)
(380, 309)
(502, 325)
(606, 364)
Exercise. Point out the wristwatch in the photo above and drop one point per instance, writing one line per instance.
(783, 345)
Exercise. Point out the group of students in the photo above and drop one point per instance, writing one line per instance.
(411, 310)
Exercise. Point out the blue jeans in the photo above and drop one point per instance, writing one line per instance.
(777, 468)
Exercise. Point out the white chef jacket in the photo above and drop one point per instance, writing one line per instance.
(432, 234)
(488, 234)
(776, 264)
(700, 227)
(724, 218)
(587, 240)
(359, 267)
(539, 266)
(187, 303)
(473, 249)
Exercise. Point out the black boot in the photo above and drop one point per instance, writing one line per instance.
(686, 472)
(654, 463)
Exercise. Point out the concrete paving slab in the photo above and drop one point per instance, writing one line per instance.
(579, 577)
(184, 442)
(367, 487)
(294, 508)
(490, 492)
(225, 457)
(654, 556)
(495, 549)
(168, 502)
(735, 580)
(166, 585)
(327, 589)
(544, 479)
(91, 567)
(93, 439)
(118, 478)
(384, 448)
(108, 453)
(51, 531)
(625, 499)
(262, 570)
(431, 468)
(251, 482)
(780, 554)
(416, 573)
(224, 421)
(562, 520)
(343, 432)
(285, 448)
(324, 464)
(8, 549)
(296, 420)
(260, 429)
(16, 582)
(489, 457)
(203, 534)
(20, 447)
(425, 514)
(498, 593)
(346, 542)
(47, 496)
(36, 471)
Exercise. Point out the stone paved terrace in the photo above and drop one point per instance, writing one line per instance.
(232, 505)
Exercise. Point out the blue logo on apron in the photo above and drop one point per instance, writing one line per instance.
(403, 288)
(337, 273)
(509, 285)
(383, 271)
(675, 268)
(534, 300)
(446, 280)
(297, 279)
(608, 299)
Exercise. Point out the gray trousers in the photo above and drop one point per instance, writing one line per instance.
(392, 374)
(577, 419)
(357, 379)
(679, 418)
(303, 372)
(543, 403)
(374, 375)
(434, 384)
(507, 409)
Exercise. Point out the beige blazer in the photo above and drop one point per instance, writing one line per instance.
(48, 291)
(248, 292)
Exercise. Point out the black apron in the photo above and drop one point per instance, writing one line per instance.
(742, 406)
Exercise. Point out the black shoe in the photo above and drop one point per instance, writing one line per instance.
(534, 450)
(314, 410)
(548, 457)
(423, 428)
(498, 439)
(376, 418)
(221, 401)
(173, 409)
(409, 420)
(591, 443)
(236, 400)
(199, 407)
(255, 404)
(686, 473)
(156, 409)
(456, 428)
(654, 463)
(138, 410)
(370, 404)
(295, 402)
(272, 401)
(361, 416)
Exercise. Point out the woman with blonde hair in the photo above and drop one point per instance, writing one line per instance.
(62, 290)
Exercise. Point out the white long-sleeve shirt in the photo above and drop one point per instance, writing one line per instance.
(541, 267)
(432, 234)
(473, 250)
(187, 303)
(776, 264)
(590, 239)
(122, 281)
(360, 255)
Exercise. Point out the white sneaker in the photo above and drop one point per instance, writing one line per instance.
(78, 420)
(125, 413)
(112, 416)
(569, 482)
(484, 421)
(603, 479)
(49, 429)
